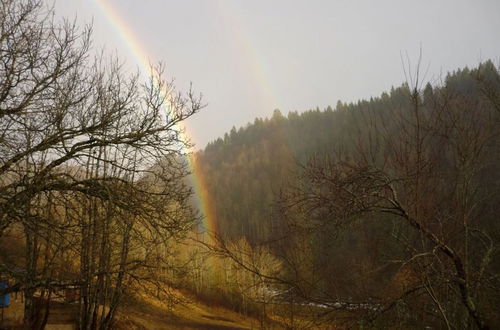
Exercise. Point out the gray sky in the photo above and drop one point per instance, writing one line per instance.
(250, 57)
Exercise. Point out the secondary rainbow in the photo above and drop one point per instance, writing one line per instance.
(139, 53)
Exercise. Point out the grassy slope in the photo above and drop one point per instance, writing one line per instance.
(148, 313)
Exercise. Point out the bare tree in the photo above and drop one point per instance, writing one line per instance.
(79, 136)
(426, 170)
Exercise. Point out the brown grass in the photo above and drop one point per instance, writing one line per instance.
(146, 312)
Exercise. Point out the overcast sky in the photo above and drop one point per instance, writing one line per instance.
(251, 57)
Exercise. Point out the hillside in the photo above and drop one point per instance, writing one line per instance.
(248, 167)
(371, 187)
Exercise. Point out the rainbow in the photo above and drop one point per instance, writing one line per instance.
(250, 57)
(203, 199)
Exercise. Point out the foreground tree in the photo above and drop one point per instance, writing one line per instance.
(90, 160)
(430, 172)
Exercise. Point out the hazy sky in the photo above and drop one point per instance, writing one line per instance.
(250, 57)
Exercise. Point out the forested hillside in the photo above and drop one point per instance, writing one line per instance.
(247, 169)
(392, 200)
